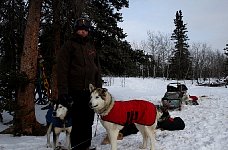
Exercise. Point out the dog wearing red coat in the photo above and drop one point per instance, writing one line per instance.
(192, 100)
(115, 114)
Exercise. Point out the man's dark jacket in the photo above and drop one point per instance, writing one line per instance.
(77, 66)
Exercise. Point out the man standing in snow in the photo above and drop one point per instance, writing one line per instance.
(78, 66)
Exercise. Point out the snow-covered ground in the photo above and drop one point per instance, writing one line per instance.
(206, 123)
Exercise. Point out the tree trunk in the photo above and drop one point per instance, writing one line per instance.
(25, 119)
(56, 22)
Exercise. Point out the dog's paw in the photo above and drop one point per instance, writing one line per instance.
(142, 147)
(49, 145)
(105, 141)
(62, 148)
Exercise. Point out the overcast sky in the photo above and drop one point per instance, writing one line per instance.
(207, 20)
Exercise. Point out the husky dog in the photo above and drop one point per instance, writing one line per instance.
(58, 120)
(115, 114)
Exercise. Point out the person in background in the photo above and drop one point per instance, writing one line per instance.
(77, 67)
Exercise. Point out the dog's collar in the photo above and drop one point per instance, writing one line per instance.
(105, 108)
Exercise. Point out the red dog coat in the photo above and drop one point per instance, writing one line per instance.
(133, 111)
(194, 98)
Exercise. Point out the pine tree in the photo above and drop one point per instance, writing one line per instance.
(12, 27)
(226, 63)
(180, 63)
(109, 37)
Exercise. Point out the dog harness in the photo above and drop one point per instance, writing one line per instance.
(133, 111)
(56, 122)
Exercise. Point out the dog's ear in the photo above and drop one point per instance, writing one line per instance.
(91, 87)
(55, 106)
(53, 103)
(104, 90)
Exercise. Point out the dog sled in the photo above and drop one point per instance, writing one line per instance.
(175, 96)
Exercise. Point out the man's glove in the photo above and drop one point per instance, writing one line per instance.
(65, 100)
